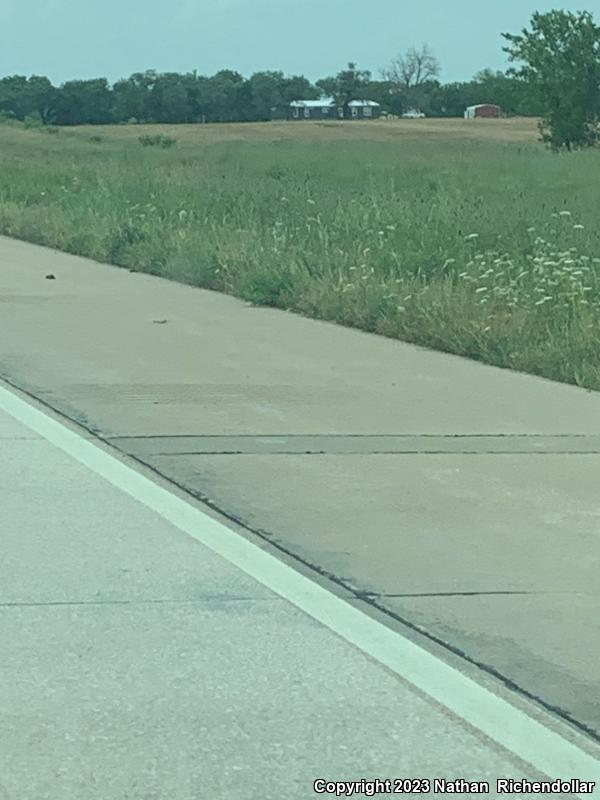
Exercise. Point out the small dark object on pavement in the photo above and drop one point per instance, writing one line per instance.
(51, 277)
(159, 321)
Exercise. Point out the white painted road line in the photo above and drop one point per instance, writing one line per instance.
(529, 740)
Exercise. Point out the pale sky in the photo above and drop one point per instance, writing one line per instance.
(67, 39)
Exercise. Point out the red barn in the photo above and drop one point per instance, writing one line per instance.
(483, 110)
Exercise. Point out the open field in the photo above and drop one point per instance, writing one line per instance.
(519, 129)
(466, 236)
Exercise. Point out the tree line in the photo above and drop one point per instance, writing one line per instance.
(411, 81)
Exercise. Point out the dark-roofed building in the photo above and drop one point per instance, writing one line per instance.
(314, 109)
(362, 109)
(326, 108)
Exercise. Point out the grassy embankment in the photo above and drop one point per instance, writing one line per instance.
(463, 236)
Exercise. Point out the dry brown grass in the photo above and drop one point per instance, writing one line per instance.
(517, 129)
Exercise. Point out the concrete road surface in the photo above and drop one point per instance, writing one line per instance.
(138, 663)
(453, 498)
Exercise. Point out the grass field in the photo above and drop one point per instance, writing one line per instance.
(465, 236)
(519, 129)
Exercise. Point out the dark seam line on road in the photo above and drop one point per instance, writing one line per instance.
(354, 435)
(43, 604)
(264, 535)
(377, 595)
(379, 453)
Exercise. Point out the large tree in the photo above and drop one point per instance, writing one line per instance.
(415, 67)
(87, 102)
(169, 99)
(412, 74)
(223, 97)
(265, 94)
(349, 84)
(21, 97)
(131, 97)
(560, 63)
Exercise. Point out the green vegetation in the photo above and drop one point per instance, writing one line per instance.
(157, 140)
(560, 62)
(410, 81)
(33, 121)
(227, 96)
(489, 250)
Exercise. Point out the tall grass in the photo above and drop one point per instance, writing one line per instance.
(484, 249)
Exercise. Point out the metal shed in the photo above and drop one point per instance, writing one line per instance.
(483, 110)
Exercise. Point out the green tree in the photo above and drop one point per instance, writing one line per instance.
(297, 87)
(349, 84)
(86, 102)
(383, 92)
(21, 97)
(264, 94)
(560, 63)
(169, 99)
(221, 100)
(131, 97)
